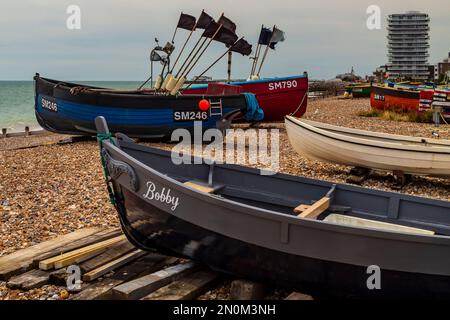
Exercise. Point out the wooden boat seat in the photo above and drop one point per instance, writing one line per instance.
(365, 223)
(314, 210)
(201, 186)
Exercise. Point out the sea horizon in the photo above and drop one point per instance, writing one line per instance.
(17, 101)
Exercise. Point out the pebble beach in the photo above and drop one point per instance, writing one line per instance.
(49, 189)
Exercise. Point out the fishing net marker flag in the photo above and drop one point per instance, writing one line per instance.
(186, 21)
(242, 47)
(277, 36)
(227, 23)
(204, 20)
(219, 33)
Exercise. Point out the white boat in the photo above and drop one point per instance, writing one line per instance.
(375, 150)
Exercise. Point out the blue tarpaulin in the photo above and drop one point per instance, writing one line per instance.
(254, 112)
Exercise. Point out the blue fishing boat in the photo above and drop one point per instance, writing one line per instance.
(69, 108)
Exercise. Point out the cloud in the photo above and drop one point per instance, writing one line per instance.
(322, 37)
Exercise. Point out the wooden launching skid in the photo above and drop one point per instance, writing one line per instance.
(112, 268)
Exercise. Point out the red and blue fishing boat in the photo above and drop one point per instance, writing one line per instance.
(277, 97)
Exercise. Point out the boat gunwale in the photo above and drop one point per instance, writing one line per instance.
(382, 135)
(110, 92)
(369, 143)
(286, 78)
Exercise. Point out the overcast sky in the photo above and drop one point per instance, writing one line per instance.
(322, 37)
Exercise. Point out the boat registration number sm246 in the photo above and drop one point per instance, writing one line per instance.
(288, 84)
(190, 116)
(49, 105)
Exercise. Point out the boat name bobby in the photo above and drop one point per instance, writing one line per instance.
(163, 195)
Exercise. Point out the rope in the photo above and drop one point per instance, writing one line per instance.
(443, 118)
(301, 103)
(101, 137)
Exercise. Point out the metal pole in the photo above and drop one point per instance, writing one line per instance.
(184, 46)
(230, 54)
(255, 59)
(184, 66)
(207, 45)
(265, 52)
(212, 65)
(258, 49)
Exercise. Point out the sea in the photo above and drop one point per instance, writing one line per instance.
(17, 101)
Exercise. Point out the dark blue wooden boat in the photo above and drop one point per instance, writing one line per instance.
(238, 221)
(70, 108)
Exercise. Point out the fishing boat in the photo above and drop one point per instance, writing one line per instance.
(396, 98)
(305, 233)
(277, 97)
(70, 108)
(375, 150)
(441, 98)
(359, 90)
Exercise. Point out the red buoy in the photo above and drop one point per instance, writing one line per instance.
(203, 105)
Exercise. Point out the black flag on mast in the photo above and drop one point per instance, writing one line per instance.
(224, 35)
(227, 23)
(204, 20)
(264, 36)
(242, 47)
(186, 21)
(277, 36)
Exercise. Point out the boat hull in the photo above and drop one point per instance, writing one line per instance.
(276, 96)
(159, 212)
(359, 91)
(60, 110)
(383, 98)
(354, 148)
(442, 99)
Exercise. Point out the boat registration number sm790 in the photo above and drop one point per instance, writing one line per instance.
(49, 105)
(190, 116)
(288, 84)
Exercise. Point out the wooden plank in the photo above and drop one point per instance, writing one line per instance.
(102, 289)
(187, 288)
(316, 209)
(366, 223)
(22, 260)
(79, 255)
(29, 280)
(199, 187)
(59, 277)
(97, 237)
(100, 271)
(141, 287)
(301, 208)
(299, 296)
(115, 251)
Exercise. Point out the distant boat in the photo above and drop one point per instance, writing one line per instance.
(277, 97)
(399, 98)
(279, 229)
(441, 98)
(70, 108)
(375, 150)
(359, 90)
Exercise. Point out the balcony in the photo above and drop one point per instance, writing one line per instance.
(408, 51)
(407, 23)
(408, 28)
